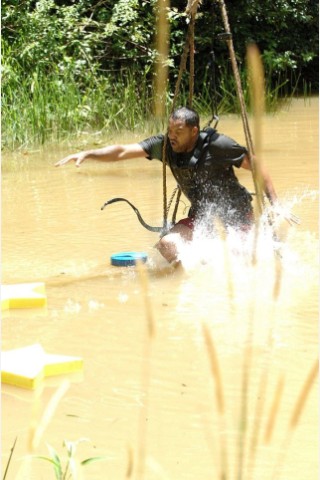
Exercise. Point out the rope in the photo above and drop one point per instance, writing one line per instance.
(164, 182)
(214, 105)
(188, 49)
(176, 205)
(191, 54)
(244, 116)
(211, 66)
(183, 63)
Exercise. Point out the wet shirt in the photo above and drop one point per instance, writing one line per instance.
(206, 175)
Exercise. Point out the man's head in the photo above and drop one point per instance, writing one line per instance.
(183, 130)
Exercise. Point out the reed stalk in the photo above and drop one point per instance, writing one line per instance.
(243, 420)
(274, 410)
(161, 70)
(130, 463)
(216, 375)
(222, 235)
(261, 396)
(295, 417)
(9, 459)
(146, 372)
(37, 430)
(302, 398)
(256, 83)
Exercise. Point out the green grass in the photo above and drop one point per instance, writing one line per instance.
(51, 108)
(38, 110)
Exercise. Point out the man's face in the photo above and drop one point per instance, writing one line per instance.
(182, 137)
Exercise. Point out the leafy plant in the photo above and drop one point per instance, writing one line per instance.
(69, 469)
(66, 64)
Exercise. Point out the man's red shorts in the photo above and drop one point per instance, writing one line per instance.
(188, 222)
(247, 223)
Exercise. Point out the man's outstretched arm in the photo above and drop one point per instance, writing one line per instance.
(109, 153)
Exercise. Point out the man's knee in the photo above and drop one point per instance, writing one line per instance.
(168, 246)
(165, 243)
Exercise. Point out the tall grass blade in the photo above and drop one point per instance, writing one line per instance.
(215, 370)
(302, 398)
(261, 394)
(274, 410)
(130, 464)
(55, 460)
(144, 282)
(256, 87)
(243, 421)
(36, 434)
(295, 416)
(222, 234)
(56, 465)
(87, 461)
(146, 366)
(9, 459)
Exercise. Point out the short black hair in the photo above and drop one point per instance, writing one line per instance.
(188, 115)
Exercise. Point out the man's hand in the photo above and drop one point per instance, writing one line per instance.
(76, 157)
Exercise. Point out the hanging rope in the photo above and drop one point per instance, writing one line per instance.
(188, 49)
(191, 59)
(249, 143)
(211, 67)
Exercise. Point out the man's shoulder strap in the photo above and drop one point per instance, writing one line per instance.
(204, 138)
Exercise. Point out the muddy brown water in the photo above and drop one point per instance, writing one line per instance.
(149, 404)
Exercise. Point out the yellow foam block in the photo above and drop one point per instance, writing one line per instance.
(4, 302)
(61, 364)
(23, 367)
(26, 367)
(23, 295)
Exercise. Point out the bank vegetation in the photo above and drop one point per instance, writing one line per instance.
(88, 65)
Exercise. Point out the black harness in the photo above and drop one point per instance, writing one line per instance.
(204, 138)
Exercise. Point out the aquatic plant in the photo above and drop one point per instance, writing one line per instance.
(70, 469)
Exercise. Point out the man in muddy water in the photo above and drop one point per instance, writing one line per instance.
(203, 166)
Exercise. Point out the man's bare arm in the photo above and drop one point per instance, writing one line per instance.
(271, 193)
(109, 153)
(266, 179)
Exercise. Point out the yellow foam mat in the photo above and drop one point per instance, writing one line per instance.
(23, 367)
(26, 367)
(61, 364)
(23, 295)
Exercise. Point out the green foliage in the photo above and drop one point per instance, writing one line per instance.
(38, 110)
(129, 31)
(48, 38)
(71, 65)
(69, 470)
(286, 32)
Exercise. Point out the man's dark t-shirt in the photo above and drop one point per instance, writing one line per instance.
(208, 179)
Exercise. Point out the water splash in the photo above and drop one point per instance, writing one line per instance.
(224, 286)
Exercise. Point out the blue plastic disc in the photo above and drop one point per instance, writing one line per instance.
(127, 259)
